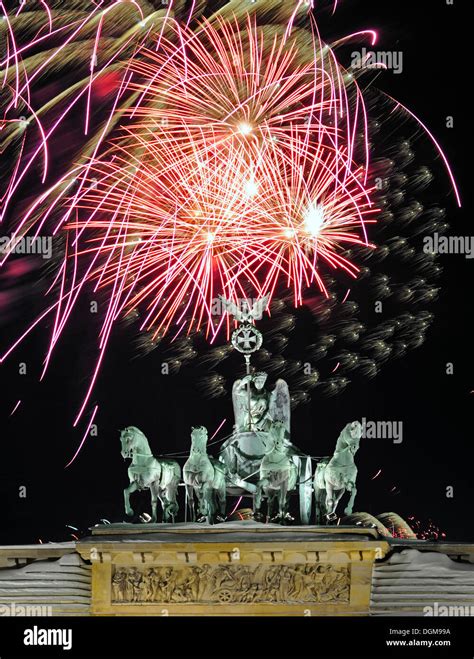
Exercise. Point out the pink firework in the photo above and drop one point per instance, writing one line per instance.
(232, 159)
(236, 172)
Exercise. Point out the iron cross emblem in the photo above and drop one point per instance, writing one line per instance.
(247, 339)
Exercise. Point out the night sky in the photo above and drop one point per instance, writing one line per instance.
(437, 449)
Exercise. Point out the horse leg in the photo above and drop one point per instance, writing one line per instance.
(221, 499)
(168, 500)
(201, 503)
(339, 496)
(273, 505)
(171, 496)
(350, 504)
(270, 500)
(154, 506)
(155, 495)
(207, 497)
(283, 500)
(190, 498)
(258, 500)
(319, 497)
(133, 487)
(330, 502)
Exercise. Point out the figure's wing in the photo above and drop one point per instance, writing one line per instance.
(280, 405)
(259, 307)
(239, 401)
(231, 308)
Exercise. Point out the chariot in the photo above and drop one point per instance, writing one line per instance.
(255, 410)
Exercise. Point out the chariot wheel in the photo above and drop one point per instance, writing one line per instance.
(225, 596)
(305, 489)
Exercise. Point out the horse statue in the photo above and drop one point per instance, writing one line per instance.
(146, 472)
(204, 477)
(336, 475)
(278, 476)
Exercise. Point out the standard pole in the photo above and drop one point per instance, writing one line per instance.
(247, 365)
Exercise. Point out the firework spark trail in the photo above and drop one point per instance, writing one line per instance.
(436, 144)
(15, 408)
(235, 507)
(217, 429)
(94, 412)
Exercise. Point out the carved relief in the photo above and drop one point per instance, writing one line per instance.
(231, 584)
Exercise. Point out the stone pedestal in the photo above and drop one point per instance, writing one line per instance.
(241, 568)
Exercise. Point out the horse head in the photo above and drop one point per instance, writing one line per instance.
(350, 437)
(130, 438)
(199, 439)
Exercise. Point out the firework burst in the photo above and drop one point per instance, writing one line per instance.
(236, 172)
(221, 155)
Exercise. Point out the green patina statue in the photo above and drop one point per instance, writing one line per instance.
(146, 472)
(204, 478)
(333, 477)
(278, 476)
